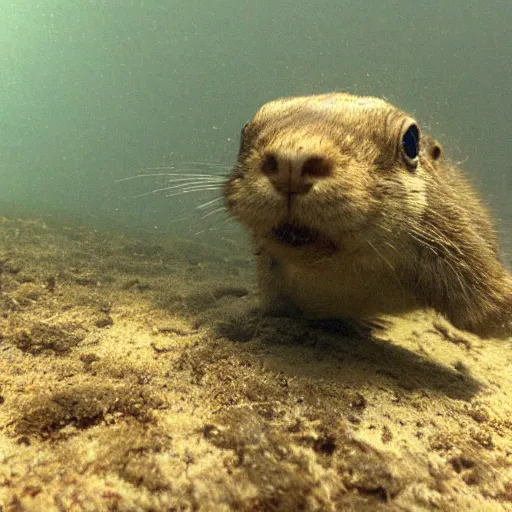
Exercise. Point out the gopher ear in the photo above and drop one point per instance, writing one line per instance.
(435, 150)
(432, 148)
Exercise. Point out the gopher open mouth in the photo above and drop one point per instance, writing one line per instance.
(295, 235)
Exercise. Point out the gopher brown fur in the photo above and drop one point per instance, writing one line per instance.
(354, 213)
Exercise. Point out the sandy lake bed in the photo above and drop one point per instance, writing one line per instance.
(137, 375)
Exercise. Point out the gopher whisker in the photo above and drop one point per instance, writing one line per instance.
(166, 174)
(192, 189)
(206, 164)
(187, 184)
(174, 179)
(174, 187)
(213, 212)
(209, 203)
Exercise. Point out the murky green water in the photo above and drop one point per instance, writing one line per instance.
(93, 91)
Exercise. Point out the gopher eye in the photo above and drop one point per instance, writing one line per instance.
(411, 142)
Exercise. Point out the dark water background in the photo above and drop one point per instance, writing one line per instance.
(93, 91)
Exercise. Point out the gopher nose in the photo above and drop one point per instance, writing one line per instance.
(294, 173)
